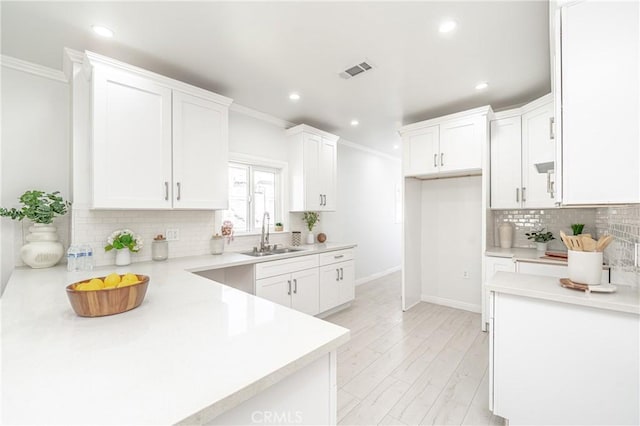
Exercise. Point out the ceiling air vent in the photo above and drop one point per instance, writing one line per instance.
(355, 70)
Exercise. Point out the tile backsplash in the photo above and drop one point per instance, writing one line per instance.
(553, 220)
(623, 223)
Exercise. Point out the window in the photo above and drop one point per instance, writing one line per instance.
(253, 190)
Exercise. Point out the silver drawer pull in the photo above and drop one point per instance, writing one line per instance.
(337, 274)
(289, 292)
(340, 256)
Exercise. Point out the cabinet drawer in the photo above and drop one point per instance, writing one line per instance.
(286, 266)
(335, 256)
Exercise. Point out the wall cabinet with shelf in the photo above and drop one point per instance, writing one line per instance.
(156, 143)
(523, 157)
(312, 169)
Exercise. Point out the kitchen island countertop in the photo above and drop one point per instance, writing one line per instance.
(194, 348)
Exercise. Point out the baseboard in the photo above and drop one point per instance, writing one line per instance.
(377, 275)
(452, 303)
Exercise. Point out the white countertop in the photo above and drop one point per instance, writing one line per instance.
(525, 255)
(625, 299)
(192, 350)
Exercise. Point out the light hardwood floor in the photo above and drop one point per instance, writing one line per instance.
(428, 365)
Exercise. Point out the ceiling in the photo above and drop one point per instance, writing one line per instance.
(258, 53)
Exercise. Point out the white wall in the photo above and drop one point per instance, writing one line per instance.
(35, 150)
(451, 241)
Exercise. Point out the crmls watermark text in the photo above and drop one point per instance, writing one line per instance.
(276, 417)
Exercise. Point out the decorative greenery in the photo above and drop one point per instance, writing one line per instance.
(38, 207)
(311, 218)
(540, 236)
(124, 238)
(577, 228)
(279, 224)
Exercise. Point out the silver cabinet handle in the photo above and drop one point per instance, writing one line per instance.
(320, 199)
(324, 198)
(289, 291)
(295, 286)
(517, 195)
(442, 159)
(340, 256)
(178, 185)
(435, 160)
(524, 194)
(553, 191)
(337, 274)
(552, 135)
(341, 274)
(166, 191)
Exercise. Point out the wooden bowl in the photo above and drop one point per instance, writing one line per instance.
(108, 301)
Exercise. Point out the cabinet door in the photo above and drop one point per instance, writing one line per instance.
(131, 136)
(305, 295)
(311, 162)
(200, 141)
(420, 152)
(461, 145)
(506, 163)
(491, 266)
(327, 173)
(276, 289)
(346, 287)
(538, 147)
(329, 287)
(600, 102)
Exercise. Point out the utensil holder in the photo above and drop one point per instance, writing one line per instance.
(585, 267)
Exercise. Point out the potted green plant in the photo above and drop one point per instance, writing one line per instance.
(577, 228)
(278, 227)
(310, 219)
(124, 242)
(541, 239)
(42, 249)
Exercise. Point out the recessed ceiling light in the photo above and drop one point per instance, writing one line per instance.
(102, 31)
(481, 86)
(447, 26)
(396, 146)
(294, 96)
(354, 122)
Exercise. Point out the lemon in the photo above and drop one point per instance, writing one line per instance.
(96, 284)
(125, 283)
(130, 277)
(111, 280)
(81, 286)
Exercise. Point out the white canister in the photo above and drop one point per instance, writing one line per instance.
(585, 267)
(506, 235)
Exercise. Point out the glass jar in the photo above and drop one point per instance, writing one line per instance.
(216, 245)
(159, 250)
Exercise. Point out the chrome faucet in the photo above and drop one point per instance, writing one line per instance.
(264, 241)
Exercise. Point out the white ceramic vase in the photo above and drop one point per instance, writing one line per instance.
(43, 249)
(541, 247)
(310, 238)
(123, 257)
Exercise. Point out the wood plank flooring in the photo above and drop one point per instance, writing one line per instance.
(428, 365)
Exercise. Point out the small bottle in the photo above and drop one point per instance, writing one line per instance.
(72, 258)
(159, 248)
(87, 258)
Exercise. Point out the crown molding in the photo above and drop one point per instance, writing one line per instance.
(483, 110)
(34, 69)
(261, 116)
(308, 129)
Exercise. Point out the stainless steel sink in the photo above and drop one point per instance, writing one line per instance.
(283, 250)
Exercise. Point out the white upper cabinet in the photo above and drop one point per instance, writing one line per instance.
(312, 169)
(506, 163)
(200, 152)
(157, 143)
(597, 88)
(447, 146)
(131, 141)
(523, 157)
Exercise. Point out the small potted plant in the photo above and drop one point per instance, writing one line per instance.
(577, 228)
(278, 227)
(541, 239)
(125, 242)
(310, 219)
(43, 248)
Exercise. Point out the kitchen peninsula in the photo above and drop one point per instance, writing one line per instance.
(194, 352)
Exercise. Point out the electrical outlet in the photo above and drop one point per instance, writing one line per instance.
(465, 275)
(172, 235)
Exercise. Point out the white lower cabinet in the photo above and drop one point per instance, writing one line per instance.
(337, 279)
(559, 363)
(491, 266)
